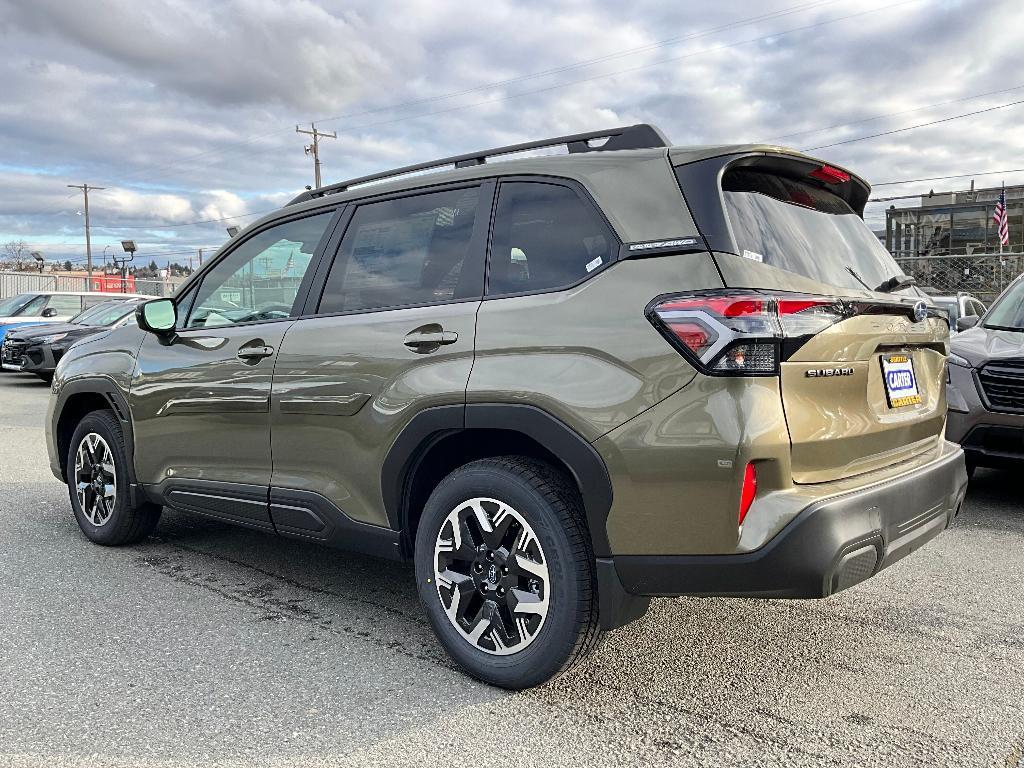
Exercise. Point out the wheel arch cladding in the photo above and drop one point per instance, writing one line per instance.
(437, 440)
(81, 397)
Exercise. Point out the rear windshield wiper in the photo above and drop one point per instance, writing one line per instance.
(895, 283)
(857, 277)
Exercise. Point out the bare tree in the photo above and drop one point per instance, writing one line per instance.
(16, 253)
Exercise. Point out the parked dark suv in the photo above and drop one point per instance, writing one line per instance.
(560, 385)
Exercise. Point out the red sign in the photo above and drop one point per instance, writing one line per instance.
(113, 284)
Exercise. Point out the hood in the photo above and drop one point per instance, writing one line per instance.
(981, 345)
(35, 331)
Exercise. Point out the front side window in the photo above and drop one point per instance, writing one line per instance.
(34, 308)
(407, 251)
(259, 279)
(545, 237)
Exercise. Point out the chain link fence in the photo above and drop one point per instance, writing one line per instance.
(983, 275)
(13, 283)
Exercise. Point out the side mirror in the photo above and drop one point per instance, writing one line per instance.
(49, 312)
(967, 321)
(158, 316)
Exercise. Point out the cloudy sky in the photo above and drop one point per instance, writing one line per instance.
(185, 110)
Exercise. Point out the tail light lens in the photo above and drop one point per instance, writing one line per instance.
(730, 333)
(748, 491)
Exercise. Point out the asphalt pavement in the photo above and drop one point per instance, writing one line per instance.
(213, 645)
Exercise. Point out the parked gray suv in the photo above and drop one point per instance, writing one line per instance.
(560, 385)
(986, 383)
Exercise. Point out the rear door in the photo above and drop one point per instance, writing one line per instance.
(862, 381)
(388, 331)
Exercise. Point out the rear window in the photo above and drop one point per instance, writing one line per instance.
(801, 227)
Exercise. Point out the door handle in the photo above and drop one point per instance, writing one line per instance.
(255, 353)
(433, 339)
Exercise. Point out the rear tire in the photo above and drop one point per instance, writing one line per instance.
(524, 592)
(97, 477)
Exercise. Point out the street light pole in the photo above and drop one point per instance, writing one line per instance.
(88, 242)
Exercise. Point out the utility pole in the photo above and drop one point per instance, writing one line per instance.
(200, 258)
(88, 242)
(314, 148)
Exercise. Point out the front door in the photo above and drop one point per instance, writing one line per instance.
(392, 334)
(201, 400)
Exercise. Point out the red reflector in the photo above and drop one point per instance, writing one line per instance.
(692, 334)
(792, 306)
(829, 175)
(748, 491)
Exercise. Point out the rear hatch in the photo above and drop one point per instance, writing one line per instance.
(862, 370)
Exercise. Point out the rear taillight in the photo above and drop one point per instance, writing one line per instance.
(740, 333)
(748, 491)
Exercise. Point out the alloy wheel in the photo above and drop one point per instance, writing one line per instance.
(491, 576)
(95, 479)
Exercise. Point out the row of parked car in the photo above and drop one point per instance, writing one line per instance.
(37, 328)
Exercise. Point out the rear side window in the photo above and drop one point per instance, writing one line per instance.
(412, 250)
(803, 228)
(545, 236)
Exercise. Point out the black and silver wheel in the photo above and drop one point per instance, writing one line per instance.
(95, 479)
(97, 476)
(505, 571)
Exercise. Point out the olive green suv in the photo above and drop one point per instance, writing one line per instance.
(560, 384)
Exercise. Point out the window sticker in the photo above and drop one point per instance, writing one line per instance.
(592, 265)
(753, 256)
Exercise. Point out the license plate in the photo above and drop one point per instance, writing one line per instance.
(900, 381)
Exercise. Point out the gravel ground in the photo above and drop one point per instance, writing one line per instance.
(213, 645)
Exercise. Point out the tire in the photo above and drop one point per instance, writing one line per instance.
(972, 464)
(117, 519)
(47, 377)
(542, 561)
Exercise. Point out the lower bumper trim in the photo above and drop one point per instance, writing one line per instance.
(830, 546)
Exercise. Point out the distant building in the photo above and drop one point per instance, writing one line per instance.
(954, 224)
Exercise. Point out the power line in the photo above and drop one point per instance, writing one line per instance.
(673, 59)
(165, 225)
(914, 127)
(497, 83)
(896, 114)
(942, 178)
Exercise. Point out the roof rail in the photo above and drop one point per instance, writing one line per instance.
(639, 136)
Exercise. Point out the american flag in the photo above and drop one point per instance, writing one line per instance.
(1001, 219)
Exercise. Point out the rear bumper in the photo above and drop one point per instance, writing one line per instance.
(831, 545)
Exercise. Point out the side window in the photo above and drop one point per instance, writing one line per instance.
(545, 236)
(969, 309)
(259, 279)
(412, 250)
(34, 308)
(65, 305)
(979, 308)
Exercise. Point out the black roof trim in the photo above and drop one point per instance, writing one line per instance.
(639, 136)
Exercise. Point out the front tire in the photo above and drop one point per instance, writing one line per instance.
(505, 570)
(97, 478)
